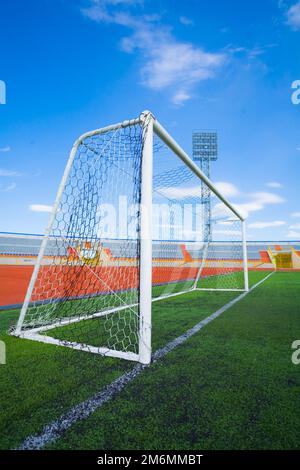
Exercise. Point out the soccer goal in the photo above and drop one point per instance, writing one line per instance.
(126, 230)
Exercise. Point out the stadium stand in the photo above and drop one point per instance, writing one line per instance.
(18, 253)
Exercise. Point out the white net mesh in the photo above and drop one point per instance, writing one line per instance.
(86, 294)
(182, 258)
(87, 287)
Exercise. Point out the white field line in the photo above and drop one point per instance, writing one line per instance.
(83, 410)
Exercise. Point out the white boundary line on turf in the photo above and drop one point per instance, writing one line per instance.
(83, 410)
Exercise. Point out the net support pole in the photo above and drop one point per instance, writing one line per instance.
(202, 264)
(146, 241)
(245, 257)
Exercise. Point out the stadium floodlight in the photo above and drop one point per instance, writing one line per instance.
(92, 287)
(205, 150)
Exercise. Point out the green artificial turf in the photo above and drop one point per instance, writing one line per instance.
(232, 386)
(221, 389)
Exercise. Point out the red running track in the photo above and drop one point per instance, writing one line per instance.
(66, 281)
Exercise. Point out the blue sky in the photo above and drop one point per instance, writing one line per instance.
(72, 66)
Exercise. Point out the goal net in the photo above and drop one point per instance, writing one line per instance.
(126, 230)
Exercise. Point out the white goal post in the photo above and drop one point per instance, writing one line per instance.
(127, 230)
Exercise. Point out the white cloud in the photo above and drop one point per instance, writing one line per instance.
(249, 53)
(104, 11)
(9, 173)
(258, 201)
(168, 64)
(295, 214)
(267, 198)
(180, 98)
(295, 227)
(274, 184)
(5, 149)
(247, 207)
(293, 234)
(227, 189)
(262, 225)
(293, 16)
(256, 52)
(186, 21)
(180, 193)
(40, 208)
(236, 49)
(10, 187)
(220, 210)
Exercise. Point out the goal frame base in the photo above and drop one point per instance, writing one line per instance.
(102, 351)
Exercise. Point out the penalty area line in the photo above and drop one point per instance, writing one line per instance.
(54, 430)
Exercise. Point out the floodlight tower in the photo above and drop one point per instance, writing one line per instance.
(205, 150)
